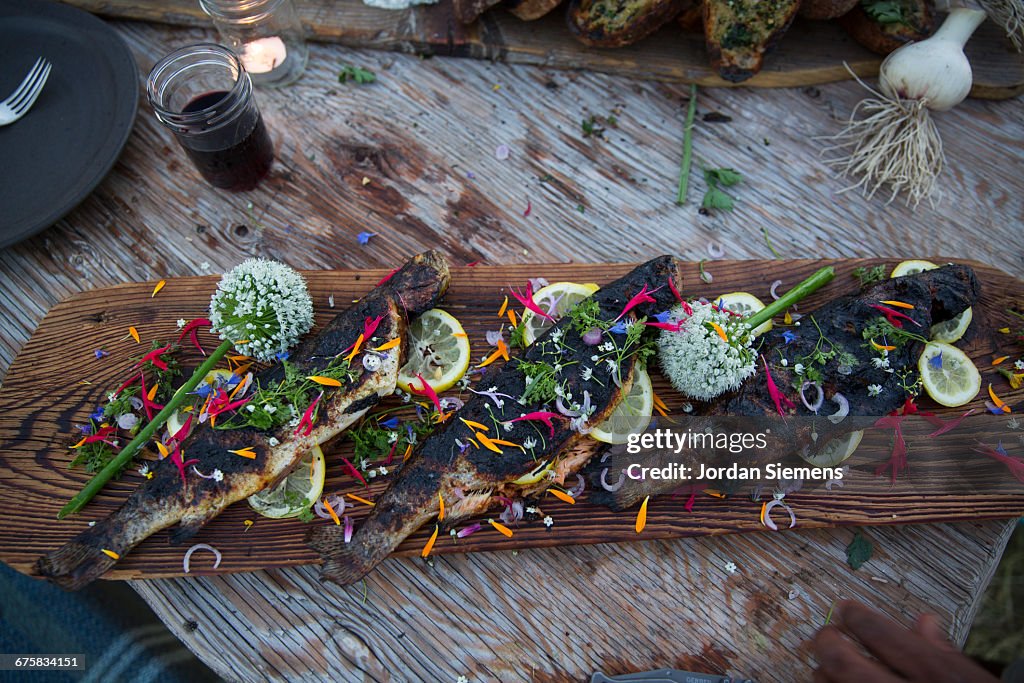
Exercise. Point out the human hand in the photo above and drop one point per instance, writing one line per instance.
(901, 655)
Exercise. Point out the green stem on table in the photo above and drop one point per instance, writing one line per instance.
(815, 282)
(144, 435)
(684, 171)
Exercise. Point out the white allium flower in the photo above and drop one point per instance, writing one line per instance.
(548, 521)
(586, 373)
(1019, 364)
(799, 368)
(529, 443)
(181, 323)
(264, 303)
(698, 362)
(880, 362)
(273, 441)
(874, 389)
(731, 567)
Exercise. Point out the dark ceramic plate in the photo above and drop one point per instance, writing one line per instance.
(51, 159)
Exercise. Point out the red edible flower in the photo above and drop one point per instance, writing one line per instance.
(671, 327)
(427, 391)
(1015, 465)
(643, 297)
(100, 434)
(527, 301)
(897, 462)
(154, 358)
(222, 403)
(894, 316)
(190, 328)
(149, 404)
(353, 471)
(307, 418)
(388, 276)
(176, 458)
(542, 416)
(777, 396)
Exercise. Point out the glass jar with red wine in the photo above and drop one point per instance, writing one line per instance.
(205, 97)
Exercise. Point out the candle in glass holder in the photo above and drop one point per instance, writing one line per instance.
(266, 35)
(263, 55)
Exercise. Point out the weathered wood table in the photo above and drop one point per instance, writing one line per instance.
(412, 160)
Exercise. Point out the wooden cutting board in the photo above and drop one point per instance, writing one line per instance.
(56, 381)
(811, 52)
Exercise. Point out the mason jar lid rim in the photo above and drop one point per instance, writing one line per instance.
(245, 9)
(181, 118)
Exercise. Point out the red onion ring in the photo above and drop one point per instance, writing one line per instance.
(563, 410)
(581, 484)
(768, 515)
(817, 402)
(715, 250)
(775, 285)
(349, 527)
(844, 409)
(512, 513)
(592, 337)
(612, 487)
(493, 336)
(200, 546)
(336, 501)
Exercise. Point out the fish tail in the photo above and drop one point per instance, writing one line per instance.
(342, 562)
(74, 565)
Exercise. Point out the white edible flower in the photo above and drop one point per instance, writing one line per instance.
(392, 437)
(698, 362)
(613, 367)
(1019, 364)
(111, 396)
(144, 469)
(181, 323)
(785, 363)
(531, 510)
(371, 474)
(529, 443)
(382, 471)
(273, 441)
(595, 358)
(265, 292)
(586, 373)
(880, 362)
(461, 679)
(548, 521)
(508, 426)
(799, 368)
(556, 335)
(874, 389)
(731, 567)
(217, 475)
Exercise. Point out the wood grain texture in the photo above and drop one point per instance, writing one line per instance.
(56, 382)
(418, 134)
(812, 52)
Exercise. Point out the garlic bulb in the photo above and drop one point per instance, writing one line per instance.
(936, 69)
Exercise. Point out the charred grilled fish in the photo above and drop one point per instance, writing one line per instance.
(936, 296)
(487, 446)
(165, 499)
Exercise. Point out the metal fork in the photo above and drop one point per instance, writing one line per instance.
(22, 99)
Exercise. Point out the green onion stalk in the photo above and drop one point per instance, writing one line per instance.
(260, 309)
(812, 284)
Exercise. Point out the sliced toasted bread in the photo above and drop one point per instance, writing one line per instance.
(820, 10)
(528, 10)
(739, 33)
(614, 23)
(884, 25)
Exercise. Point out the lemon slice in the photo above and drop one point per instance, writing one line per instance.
(438, 350)
(534, 475)
(556, 300)
(632, 415)
(953, 329)
(911, 267)
(953, 380)
(835, 451)
(949, 331)
(745, 304)
(296, 492)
